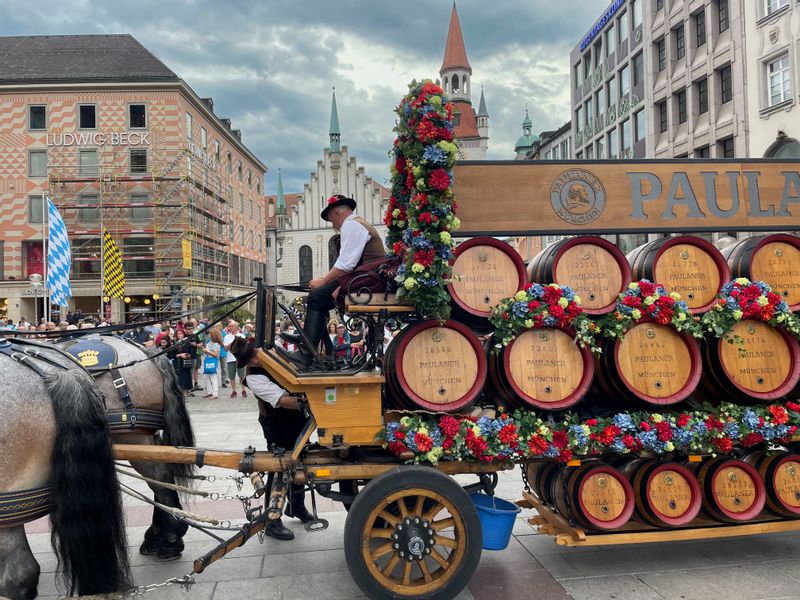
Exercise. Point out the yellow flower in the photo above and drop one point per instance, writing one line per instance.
(649, 300)
(737, 314)
(529, 323)
(554, 285)
(396, 212)
(404, 421)
(669, 446)
(577, 299)
(633, 286)
(520, 295)
(542, 430)
(681, 316)
(719, 307)
(563, 302)
(445, 237)
(417, 268)
(456, 223)
(586, 429)
(657, 418)
(742, 280)
(636, 314)
(675, 295)
(420, 184)
(423, 429)
(762, 300)
(409, 283)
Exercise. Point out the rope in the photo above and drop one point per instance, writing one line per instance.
(170, 486)
(176, 512)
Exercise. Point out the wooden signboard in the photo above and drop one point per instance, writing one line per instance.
(564, 197)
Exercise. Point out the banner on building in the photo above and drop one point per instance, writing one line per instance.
(187, 254)
(59, 257)
(113, 275)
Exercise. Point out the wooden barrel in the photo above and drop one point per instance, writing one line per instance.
(542, 368)
(595, 495)
(435, 366)
(781, 475)
(666, 494)
(765, 368)
(592, 266)
(688, 265)
(541, 476)
(485, 270)
(732, 489)
(771, 258)
(652, 365)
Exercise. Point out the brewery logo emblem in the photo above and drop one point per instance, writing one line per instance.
(577, 196)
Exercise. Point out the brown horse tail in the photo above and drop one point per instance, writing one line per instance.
(177, 426)
(88, 529)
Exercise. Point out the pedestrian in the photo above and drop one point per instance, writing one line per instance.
(211, 364)
(282, 420)
(232, 333)
(341, 344)
(183, 362)
(357, 342)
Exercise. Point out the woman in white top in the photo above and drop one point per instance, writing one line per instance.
(212, 348)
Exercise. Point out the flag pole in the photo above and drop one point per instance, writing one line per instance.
(101, 314)
(45, 236)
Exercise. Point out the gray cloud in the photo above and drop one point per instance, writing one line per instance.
(270, 65)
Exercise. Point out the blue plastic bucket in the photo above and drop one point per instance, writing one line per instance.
(497, 520)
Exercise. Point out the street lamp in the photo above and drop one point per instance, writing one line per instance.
(36, 283)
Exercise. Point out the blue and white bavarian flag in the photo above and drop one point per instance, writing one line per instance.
(59, 258)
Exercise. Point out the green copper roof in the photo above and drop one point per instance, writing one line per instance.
(281, 197)
(527, 123)
(482, 112)
(334, 134)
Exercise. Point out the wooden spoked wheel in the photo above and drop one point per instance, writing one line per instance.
(412, 533)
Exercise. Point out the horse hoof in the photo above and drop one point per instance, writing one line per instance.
(149, 547)
(167, 554)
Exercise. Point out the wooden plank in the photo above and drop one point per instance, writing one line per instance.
(555, 197)
(228, 459)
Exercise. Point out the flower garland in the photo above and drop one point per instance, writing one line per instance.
(744, 299)
(421, 211)
(538, 305)
(523, 435)
(646, 300)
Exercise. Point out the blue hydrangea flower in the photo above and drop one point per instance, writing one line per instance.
(580, 435)
(435, 155)
(520, 309)
(617, 445)
(485, 425)
(750, 419)
(782, 307)
(727, 288)
(550, 321)
(436, 435)
(782, 431)
(551, 451)
(731, 430)
(624, 422)
(568, 293)
(391, 429)
(731, 303)
(699, 428)
(536, 290)
(410, 442)
(420, 242)
(681, 437)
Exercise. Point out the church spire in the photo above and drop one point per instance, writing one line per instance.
(334, 134)
(281, 197)
(455, 53)
(482, 112)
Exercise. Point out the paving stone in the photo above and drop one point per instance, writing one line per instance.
(616, 560)
(514, 553)
(335, 585)
(509, 580)
(616, 587)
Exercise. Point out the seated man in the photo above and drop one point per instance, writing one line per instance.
(361, 243)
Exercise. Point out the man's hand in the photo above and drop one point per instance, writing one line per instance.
(316, 283)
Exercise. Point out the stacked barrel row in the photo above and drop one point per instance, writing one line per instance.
(448, 366)
(604, 496)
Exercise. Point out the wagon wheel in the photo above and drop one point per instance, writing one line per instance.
(412, 532)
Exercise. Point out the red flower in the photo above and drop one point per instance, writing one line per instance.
(398, 248)
(591, 422)
(533, 305)
(722, 444)
(560, 439)
(397, 448)
(565, 456)
(632, 301)
(425, 218)
(399, 435)
(609, 433)
(400, 165)
(425, 257)
(664, 431)
(647, 288)
(508, 434)
(779, 414)
(628, 441)
(683, 420)
(644, 426)
(423, 442)
(427, 131)
(447, 443)
(420, 200)
(713, 423)
(538, 445)
(449, 426)
(751, 439)
(439, 180)
(551, 294)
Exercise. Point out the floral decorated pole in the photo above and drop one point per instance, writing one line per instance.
(421, 211)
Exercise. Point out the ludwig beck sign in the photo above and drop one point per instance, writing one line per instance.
(555, 197)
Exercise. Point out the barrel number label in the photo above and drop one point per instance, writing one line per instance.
(787, 483)
(734, 489)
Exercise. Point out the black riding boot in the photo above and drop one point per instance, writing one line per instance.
(314, 325)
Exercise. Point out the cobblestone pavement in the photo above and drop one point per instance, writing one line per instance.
(532, 567)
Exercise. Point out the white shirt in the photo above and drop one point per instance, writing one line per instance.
(354, 238)
(227, 341)
(265, 389)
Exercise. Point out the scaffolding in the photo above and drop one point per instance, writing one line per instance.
(161, 211)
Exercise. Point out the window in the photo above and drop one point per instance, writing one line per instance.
(556, 154)
(89, 214)
(565, 149)
(639, 126)
(598, 53)
(35, 209)
(636, 10)
(626, 135)
(241, 202)
(241, 235)
(587, 67)
(624, 81)
(249, 178)
(700, 28)
(189, 126)
(137, 116)
(37, 118)
(547, 155)
(659, 4)
(140, 213)
(258, 185)
(139, 252)
(704, 152)
(251, 209)
(37, 163)
(724, 22)
(230, 165)
(87, 116)
(775, 5)
(661, 53)
(662, 116)
(216, 150)
(579, 118)
(726, 85)
(623, 28)
(702, 96)
(601, 148)
(579, 156)
(612, 144)
(726, 148)
(258, 212)
(87, 162)
(589, 112)
(612, 92)
(680, 97)
(680, 41)
(589, 152)
(638, 69)
(779, 79)
(138, 159)
(306, 264)
(203, 138)
(577, 74)
(610, 41)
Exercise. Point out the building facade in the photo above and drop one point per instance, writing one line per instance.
(119, 142)
(471, 128)
(306, 248)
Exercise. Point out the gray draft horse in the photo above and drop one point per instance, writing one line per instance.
(53, 433)
(153, 388)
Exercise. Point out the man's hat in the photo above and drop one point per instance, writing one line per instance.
(337, 200)
(243, 349)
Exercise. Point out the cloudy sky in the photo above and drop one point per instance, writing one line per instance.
(270, 64)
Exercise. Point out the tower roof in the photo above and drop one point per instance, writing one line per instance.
(527, 122)
(482, 112)
(455, 54)
(334, 128)
(281, 198)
